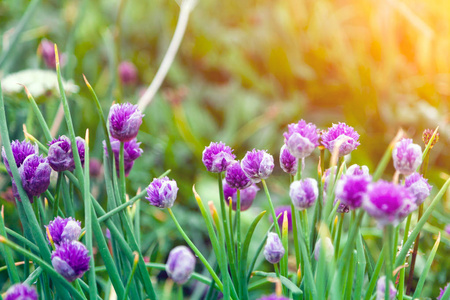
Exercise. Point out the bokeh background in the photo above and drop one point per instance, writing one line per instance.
(244, 70)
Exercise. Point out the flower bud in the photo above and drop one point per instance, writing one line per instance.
(273, 251)
(35, 175)
(162, 192)
(124, 121)
(381, 289)
(301, 139)
(247, 195)
(21, 291)
(71, 260)
(61, 230)
(217, 157)
(328, 251)
(236, 178)
(418, 187)
(304, 193)
(257, 164)
(288, 162)
(180, 264)
(341, 134)
(47, 51)
(60, 156)
(20, 150)
(407, 156)
(128, 73)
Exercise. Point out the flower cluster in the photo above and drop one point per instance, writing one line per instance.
(217, 157)
(180, 264)
(71, 259)
(21, 291)
(162, 192)
(247, 195)
(60, 155)
(60, 230)
(274, 250)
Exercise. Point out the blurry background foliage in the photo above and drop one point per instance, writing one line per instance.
(245, 69)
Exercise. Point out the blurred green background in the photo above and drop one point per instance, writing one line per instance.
(244, 70)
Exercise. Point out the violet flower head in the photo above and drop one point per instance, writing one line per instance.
(257, 164)
(352, 189)
(236, 178)
(128, 73)
(130, 154)
(279, 212)
(47, 51)
(357, 170)
(180, 264)
(217, 157)
(124, 121)
(71, 260)
(304, 193)
(21, 291)
(274, 250)
(35, 175)
(162, 192)
(341, 134)
(388, 203)
(61, 230)
(20, 150)
(60, 156)
(273, 297)
(301, 139)
(329, 249)
(247, 195)
(418, 187)
(407, 156)
(381, 289)
(288, 162)
(441, 294)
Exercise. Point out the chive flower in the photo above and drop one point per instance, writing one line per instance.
(247, 195)
(21, 291)
(217, 157)
(352, 189)
(257, 164)
(279, 212)
(124, 121)
(329, 249)
(35, 175)
(128, 73)
(236, 178)
(381, 289)
(388, 203)
(274, 250)
(71, 260)
(130, 154)
(20, 150)
(180, 264)
(418, 187)
(288, 162)
(162, 192)
(60, 155)
(341, 134)
(304, 193)
(61, 230)
(407, 156)
(301, 139)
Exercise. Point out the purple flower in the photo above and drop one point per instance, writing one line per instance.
(20, 150)
(21, 291)
(357, 170)
(162, 192)
(288, 162)
(47, 51)
(388, 203)
(60, 156)
(329, 249)
(304, 193)
(341, 134)
(441, 294)
(61, 230)
(180, 264)
(130, 154)
(127, 73)
(81, 147)
(247, 195)
(273, 297)
(301, 139)
(35, 175)
(407, 156)
(274, 250)
(236, 178)
(280, 211)
(381, 289)
(352, 189)
(71, 260)
(257, 164)
(124, 121)
(418, 187)
(217, 157)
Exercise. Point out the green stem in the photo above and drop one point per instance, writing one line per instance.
(272, 210)
(238, 229)
(130, 279)
(388, 259)
(337, 240)
(122, 172)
